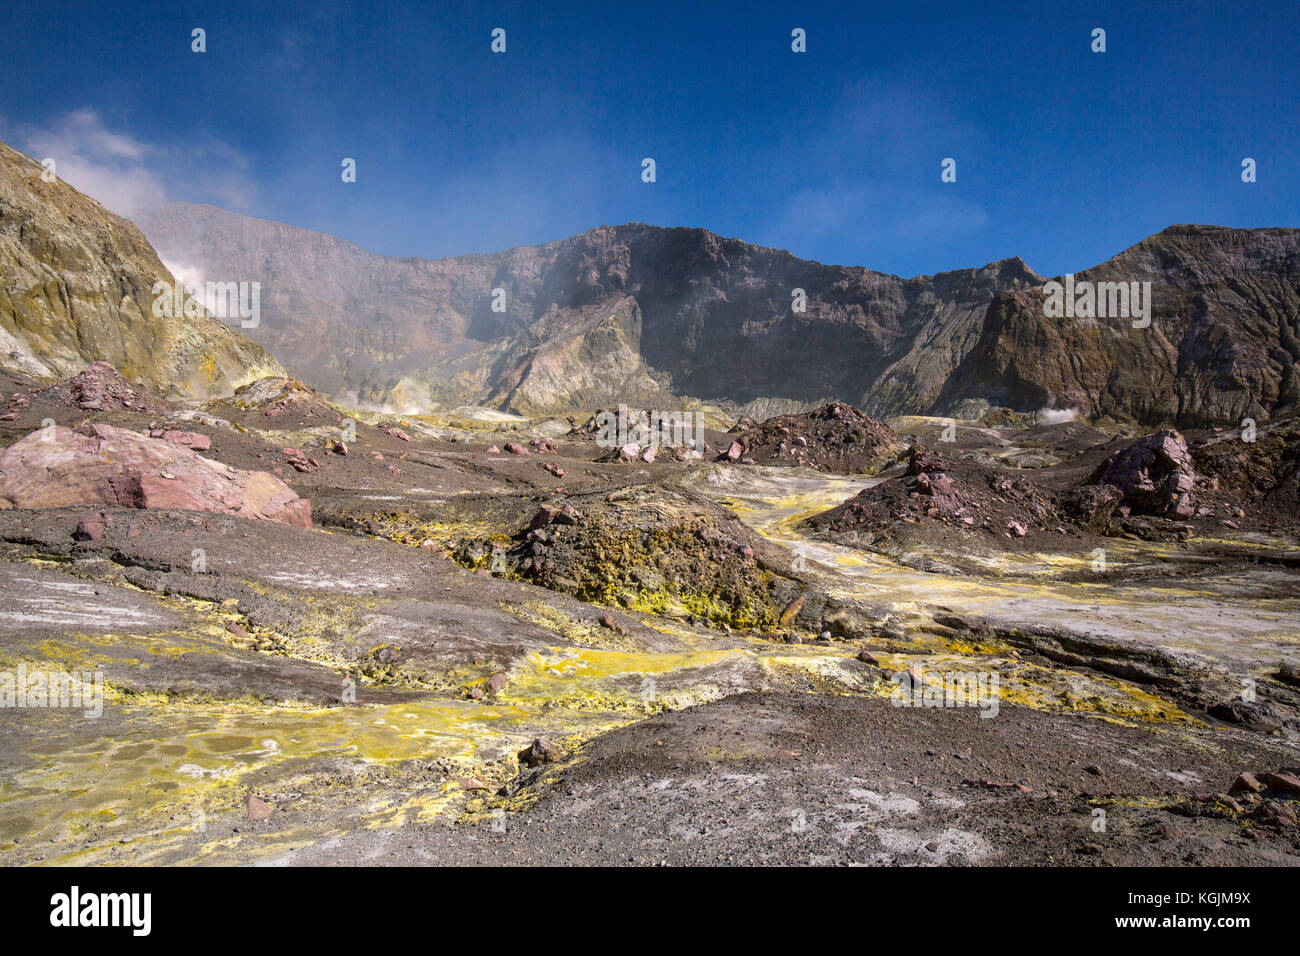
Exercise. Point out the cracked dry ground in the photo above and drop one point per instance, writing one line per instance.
(689, 729)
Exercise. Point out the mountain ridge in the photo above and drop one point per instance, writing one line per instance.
(654, 315)
(76, 286)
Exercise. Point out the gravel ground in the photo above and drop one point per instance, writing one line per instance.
(763, 779)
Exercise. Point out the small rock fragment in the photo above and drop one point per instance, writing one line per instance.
(1245, 783)
(90, 528)
(539, 752)
(259, 809)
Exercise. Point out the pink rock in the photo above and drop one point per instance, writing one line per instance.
(259, 809)
(545, 515)
(1016, 528)
(194, 440)
(1288, 782)
(648, 454)
(90, 528)
(515, 448)
(105, 465)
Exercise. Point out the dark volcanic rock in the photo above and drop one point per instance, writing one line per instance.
(836, 437)
(922, 459)
(1259, 478)
(1091, 506)
(1154, 475)
(539, 752)
(967, 497)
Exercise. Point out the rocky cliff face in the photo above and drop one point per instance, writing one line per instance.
(76, 286)
(645, 315)
(1222, 345)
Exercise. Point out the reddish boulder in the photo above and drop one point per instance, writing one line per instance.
(1154, 475)
(545, 515)
(104, 465)
(90, 528)
(539, 752)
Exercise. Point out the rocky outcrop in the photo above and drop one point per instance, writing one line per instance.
(1222, 345)
(1091, 506)
(637, 314)
(99, 388)
(283, 398)
(1153, 475)
(98, 464)
(76, 286)
(836, 437)
(1260, 476)
(962, 496)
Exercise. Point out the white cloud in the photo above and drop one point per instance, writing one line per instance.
(101, 163)
(130, 176)
(1057, 416)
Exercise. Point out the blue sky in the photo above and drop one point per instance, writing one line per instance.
(1064, 156)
